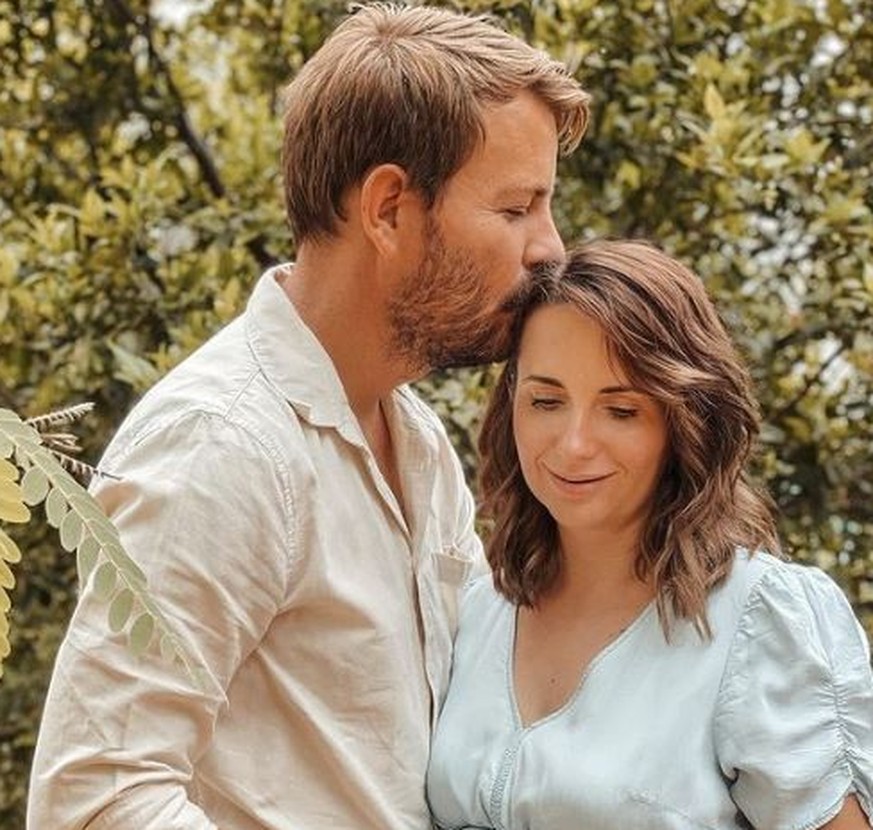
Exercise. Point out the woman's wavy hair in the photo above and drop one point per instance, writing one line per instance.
(663, 330)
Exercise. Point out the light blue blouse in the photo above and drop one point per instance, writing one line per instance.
(767, 725)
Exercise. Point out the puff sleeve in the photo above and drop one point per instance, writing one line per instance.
(794, 719)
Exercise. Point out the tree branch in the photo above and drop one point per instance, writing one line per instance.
(196, 145)
(810, 382)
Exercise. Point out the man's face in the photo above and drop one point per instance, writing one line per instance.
(490, 229)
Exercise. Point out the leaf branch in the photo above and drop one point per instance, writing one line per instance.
(811, 381)
(85, 529)
(182, 121)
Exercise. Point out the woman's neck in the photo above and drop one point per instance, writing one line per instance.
(599, 570)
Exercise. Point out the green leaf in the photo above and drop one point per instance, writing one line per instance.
(55, 507)
(168, 647)
(10, 490)
(8, 471)
(7, 578)
(119, 610)
(71, 531)
(14, 511)
(803, 148)
(133, 369)
(105, 533)
(141, 633)
(713, 103)
(34, 486)
(9, 551)
(88, 508)
(126, 566)
(86, 558)
(104, 580)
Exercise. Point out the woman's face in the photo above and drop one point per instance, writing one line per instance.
(591, 446)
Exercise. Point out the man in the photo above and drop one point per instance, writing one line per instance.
(300, 515)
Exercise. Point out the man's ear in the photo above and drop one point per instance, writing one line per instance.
(389, 206)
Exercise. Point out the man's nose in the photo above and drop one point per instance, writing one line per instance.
(545, 244)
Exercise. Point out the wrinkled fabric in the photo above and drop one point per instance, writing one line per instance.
(314, 605)
(768, 725)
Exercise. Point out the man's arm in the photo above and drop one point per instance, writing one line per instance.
(203, 511)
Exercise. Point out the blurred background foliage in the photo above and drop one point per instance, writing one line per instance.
(139, 200)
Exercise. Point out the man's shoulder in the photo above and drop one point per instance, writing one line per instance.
(220, 382)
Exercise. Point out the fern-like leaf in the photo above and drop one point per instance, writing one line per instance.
(67, 415)
(81, 470)
(12, 509)
(83, 528)
(64, 445)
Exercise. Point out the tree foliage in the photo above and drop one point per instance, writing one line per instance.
(140, 198)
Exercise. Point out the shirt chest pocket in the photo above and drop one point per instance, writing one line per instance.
(443, 574)
(452, 573)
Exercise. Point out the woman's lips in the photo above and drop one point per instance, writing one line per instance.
(579, 481)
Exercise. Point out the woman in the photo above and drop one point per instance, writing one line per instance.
(639, 660)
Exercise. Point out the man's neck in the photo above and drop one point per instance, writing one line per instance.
(338, 298)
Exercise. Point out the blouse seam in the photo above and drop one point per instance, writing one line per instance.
(753, 599)
(575, 696)
(826, 815)
(847, 759)
(509, 662)
(837, 694)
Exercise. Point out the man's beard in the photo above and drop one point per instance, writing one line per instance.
(440, 318)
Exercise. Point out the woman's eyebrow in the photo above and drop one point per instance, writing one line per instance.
(544, 379)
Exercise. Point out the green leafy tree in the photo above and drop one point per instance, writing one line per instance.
(140, 198)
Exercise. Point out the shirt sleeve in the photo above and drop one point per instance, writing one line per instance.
(794, 721)
(204, 512)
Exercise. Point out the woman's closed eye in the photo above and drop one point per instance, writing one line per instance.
(623, 412)
(546, 403)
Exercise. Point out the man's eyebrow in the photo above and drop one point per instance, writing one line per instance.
(525, 191)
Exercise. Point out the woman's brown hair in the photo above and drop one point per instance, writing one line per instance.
(663, 330)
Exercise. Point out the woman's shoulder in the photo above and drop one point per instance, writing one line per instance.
(480, 596)
(795, 611)
(762, 587)
(482, 607)
(792, 722)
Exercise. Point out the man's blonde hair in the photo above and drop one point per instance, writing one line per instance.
(406, 85)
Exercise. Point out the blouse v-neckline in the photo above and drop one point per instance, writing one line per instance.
(600, 656)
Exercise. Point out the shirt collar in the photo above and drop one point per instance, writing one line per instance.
(293, 360)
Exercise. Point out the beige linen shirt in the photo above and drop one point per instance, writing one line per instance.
(321, 612)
